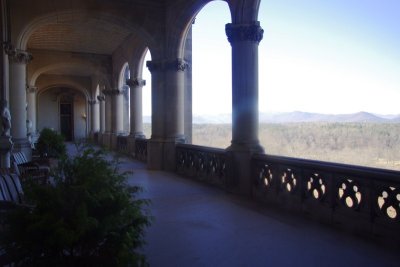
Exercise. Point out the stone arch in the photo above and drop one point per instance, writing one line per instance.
(184, 22)
(244, 11)
(42, 70)
(69, 84)
(122, 75)
(52, 99)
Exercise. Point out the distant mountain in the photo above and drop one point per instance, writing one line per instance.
(299, 116)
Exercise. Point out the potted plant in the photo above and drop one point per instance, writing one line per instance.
(50, 144)
(88, 217)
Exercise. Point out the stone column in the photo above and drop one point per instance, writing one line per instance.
(136, 86)
(94, 110)
(174, 109)
(18, 60)
(31, 109)
(117, 117)
(136, 111)
(155, 146)
(167, 79)
(244, 39)
(118, 122)
(102, 107)
(108, 118)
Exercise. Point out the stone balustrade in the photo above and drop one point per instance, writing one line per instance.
(360, 199)
(202, 163)
(141, 149)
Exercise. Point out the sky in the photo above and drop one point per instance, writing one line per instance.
(324, 56)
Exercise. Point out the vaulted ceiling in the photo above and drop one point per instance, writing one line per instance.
(89, 36)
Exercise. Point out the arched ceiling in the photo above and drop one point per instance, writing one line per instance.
(91, 35)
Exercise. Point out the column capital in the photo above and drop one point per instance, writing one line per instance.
(167, 65)
(17, 55)
(92, 102)
(244, 32)
(112, 92)
(101, 98)
(176, 65)
(30, 89)
(135, 82)
(154, 66)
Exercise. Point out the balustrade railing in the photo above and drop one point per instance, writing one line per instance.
(141, 149)
(122, 144)
(361, 198)
(202, 163)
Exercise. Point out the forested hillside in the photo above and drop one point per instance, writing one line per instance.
(368, 144)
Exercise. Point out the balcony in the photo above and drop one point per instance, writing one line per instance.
(303, 213)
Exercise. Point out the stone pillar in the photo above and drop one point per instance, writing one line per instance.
(244, 39)
(102, 115)
(167, 79)
(136, 123)
(108, 118)
(188, 103)
(31, 109)
(18, 60)
(155, 146)
(136, 111)
(174, 109)
(117, 117)
(94, 110)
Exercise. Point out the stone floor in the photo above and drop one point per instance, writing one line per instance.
(198, 225)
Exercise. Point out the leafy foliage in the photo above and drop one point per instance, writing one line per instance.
(51, 144)
(89, 217)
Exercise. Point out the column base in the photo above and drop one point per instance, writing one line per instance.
(106, 140)
(239, 167)
(6, 145)
(162, 153)
(155, 152)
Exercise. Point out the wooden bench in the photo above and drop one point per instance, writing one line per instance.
(10, 188)
(29, 169)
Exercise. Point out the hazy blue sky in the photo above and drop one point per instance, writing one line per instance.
(327, 56)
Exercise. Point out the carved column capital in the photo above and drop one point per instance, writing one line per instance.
(176, 65)
(109, 92)
(30, 89)
(101, 98)
(135, 82)
(244, 32)
(167, 65)
(17, 55)
(154, 66)
(92, 102)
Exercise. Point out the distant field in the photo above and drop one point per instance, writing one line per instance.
(367, 144)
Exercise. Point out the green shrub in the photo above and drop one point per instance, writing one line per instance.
(51, 144)
(89, 217)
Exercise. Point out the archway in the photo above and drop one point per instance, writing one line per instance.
(63, 109)
(212, 94)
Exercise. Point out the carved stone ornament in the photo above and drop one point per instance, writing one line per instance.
(167, 65)
(92, 102)
(31, 89)
(176, 65)
(135, 82)
(101, 98)
(112, 92)
(244, 32)
(17, 55)
(154, 66)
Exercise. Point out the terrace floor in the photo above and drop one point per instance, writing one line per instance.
(198, 225)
